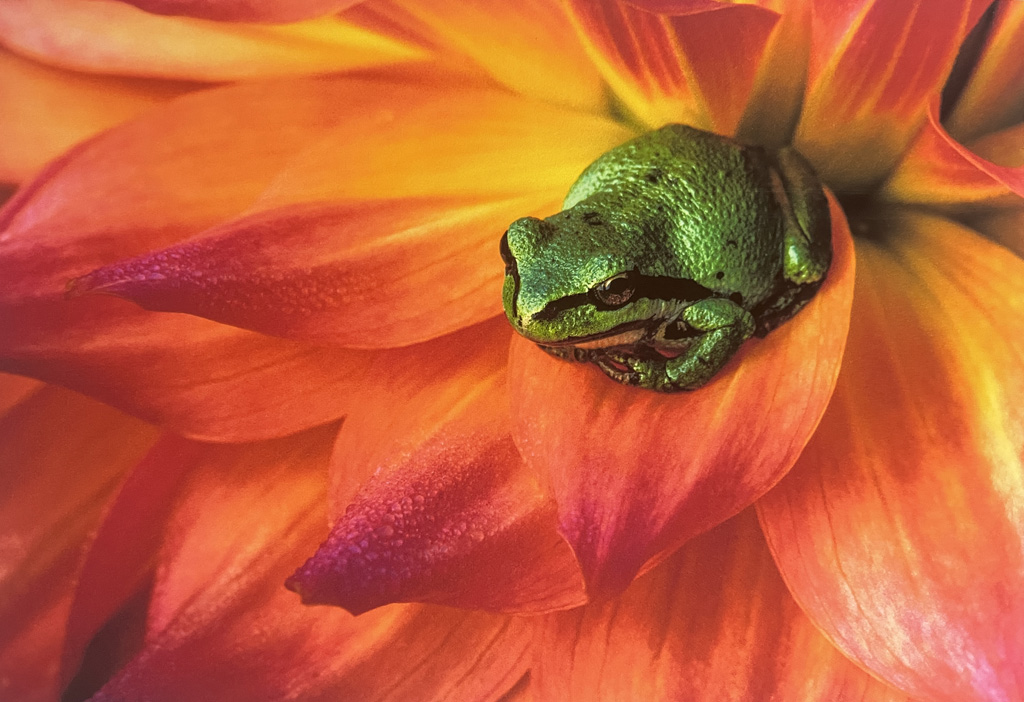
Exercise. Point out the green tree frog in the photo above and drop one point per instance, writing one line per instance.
(671, 251)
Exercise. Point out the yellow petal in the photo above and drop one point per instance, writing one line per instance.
(528, 45)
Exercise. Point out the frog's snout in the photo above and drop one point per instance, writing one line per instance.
(527, 235)
(510, 289)
(522, 241)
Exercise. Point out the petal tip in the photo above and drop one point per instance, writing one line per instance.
(313, 588)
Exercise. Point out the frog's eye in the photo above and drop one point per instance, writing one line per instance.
(617, 290)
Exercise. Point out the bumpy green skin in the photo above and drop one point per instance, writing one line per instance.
(718, 242)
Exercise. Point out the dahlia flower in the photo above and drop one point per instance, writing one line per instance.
(266, 434)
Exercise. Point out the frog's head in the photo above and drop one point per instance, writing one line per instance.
(572, 279)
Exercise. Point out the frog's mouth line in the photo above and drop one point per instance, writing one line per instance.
(626, 334)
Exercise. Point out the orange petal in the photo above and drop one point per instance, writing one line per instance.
(54, 488)
(435, 505)
(185, 166)
(528, 45)
(454, 138)
(677, 61)
(222, 626)
(637, 473)
(938, 170)
(14, 389)
(362, 274)
(993, 98)
(874, 69)
(103, 36)
(122, 552)
(899, 531)
(44, 111)
(712, 624)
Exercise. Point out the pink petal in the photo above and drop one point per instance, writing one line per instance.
(680, 66)
(222, 626)
(714, 623)
(435, 505)
(103, 36)
(637, 473)
(874, 69)
(900, 529)
(363, 274)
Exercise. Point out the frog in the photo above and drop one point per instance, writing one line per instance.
(670, 252)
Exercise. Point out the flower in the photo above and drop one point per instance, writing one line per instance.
(297, 238)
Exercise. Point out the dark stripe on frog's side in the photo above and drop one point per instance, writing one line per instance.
(649, 287)
(511, 269)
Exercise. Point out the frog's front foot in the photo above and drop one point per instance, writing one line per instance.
(725, 326)
(722, 326)
(629, 368)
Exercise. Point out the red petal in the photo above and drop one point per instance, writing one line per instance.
(222, 627)
(527, 45)
(44, 111)
(206, 380)
(637, 473)
(52, 496)
(938, 170)
(714, 623)
(438, 506)
(993, 98)
(874, 69)
(352, 273)
(188, 374)
(101, 36)
(681, 66)
(14, 389)
(245, 10)
(121, 555)
(899, 531)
